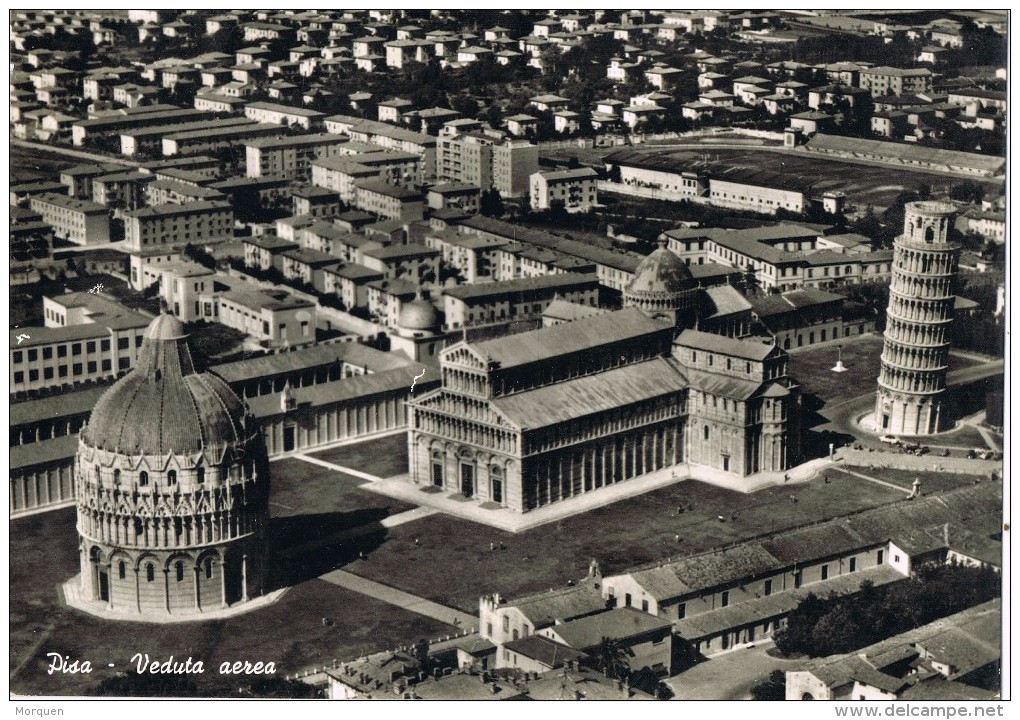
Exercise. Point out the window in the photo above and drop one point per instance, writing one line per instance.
(179, 567)
(681, 611)
(150, 572)
(853, 564)
(143, 478)
(62, 351)
(825, 572)
(517, 635)
(707, 431)
(200, 475)
(896, 558)
(76, 349)
(121, 570)
(107, 365)
(123, 343)
(798, 579)
(880, 557)
(768, 587)
(90, 346)
(506, 623)
(33, 375)
(19, 377)
(488, 629)
(33, 355)
(627, 600)
(47, 353)
(208, 568)
(726, 598)
(644, 606)
(171, 477)
(104, 345)
(92, 366)
(18, 356)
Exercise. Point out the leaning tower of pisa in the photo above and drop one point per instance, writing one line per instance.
(915, 356)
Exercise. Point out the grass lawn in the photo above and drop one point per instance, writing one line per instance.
(931, 483)
(384, 457)
(300, 488)
(453, 564)
(289, 633)
(862, 356)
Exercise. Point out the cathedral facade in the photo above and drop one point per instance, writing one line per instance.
(172, 487)
(531, 419)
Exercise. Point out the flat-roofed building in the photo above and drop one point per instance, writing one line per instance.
(348, 281)
(164, 192)
(178, 224)
(80, 221)
(275, 318)
(86, 337)
(122, 190)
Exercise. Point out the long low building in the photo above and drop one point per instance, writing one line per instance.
(907, 155)
(519, 300)
(80, 221)
(783, 257)
(290, 157)
(201, 141)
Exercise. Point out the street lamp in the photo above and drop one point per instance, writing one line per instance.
(840, 367)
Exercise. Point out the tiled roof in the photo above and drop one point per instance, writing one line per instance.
(591, 394)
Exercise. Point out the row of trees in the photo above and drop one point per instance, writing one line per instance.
(827, 626)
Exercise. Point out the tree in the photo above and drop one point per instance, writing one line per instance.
(611, 660)
(491, 203)
(772, 689)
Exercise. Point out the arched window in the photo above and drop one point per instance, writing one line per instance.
(179, 567)
(208, 568)
(706, 432)
(143, 478)
(150, 572)
(200, 474)
(116, 477)
(121, 570)
(171, 477)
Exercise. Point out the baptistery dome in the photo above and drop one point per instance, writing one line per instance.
(172, 488)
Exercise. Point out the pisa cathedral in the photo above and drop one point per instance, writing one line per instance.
(531, 419)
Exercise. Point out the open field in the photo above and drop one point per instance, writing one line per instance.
(454, 566)
(30, 165)
(44, 554)
(862, 357)
(931, 483)
(384, 457)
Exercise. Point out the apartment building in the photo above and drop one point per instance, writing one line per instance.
(210, 141)
(486, 161)
(575, 190)
(290, 157)
(182, 284)
(886, 80)
(80, 221)
(409, 262)
(178, 224)
(388, 201)
(288, 115)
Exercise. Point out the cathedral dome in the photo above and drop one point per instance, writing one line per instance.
(163, 405)
(418, 315)
(661, 272)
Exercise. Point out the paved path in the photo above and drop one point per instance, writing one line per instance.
(729, 675)
(409, 516)
(339, 468)
(391, 595)
(877, 481)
